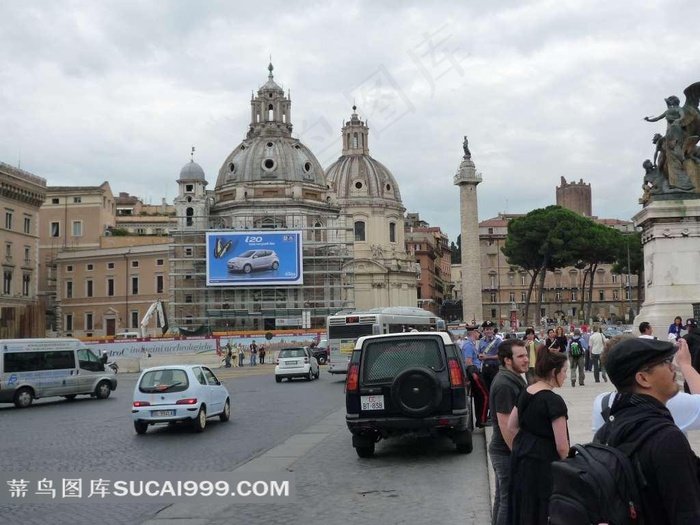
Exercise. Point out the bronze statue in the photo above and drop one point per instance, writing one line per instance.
(465, 147)
(676, 159)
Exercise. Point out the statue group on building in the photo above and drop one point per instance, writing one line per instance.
(675, 167)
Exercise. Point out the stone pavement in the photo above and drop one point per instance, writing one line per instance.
(579, 401)
(406, 482)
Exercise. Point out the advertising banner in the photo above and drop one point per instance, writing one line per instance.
(254, 258)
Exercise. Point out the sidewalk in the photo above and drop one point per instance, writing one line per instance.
(579, 401)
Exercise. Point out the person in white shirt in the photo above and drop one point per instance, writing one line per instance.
(685, 408)
(597, 344)
(646, 331)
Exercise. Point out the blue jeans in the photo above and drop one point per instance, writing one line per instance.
(501, 466)
(252, 359)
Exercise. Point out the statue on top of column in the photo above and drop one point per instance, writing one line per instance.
(677, 156)
(465, 147)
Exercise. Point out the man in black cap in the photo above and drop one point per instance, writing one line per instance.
(642, 370)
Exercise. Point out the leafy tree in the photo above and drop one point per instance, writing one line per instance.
(631, 244)
(457, 250)
(544, 240)
(599, 245)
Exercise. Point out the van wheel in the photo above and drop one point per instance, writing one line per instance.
(24, 397)
(226, 414)
(201, 421)
(103, 390)
(140, 427)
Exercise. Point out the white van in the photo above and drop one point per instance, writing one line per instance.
(126, 335)
(35, 368)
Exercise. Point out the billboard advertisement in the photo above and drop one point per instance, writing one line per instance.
(253, 258)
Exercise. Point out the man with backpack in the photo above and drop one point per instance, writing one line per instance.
(650, 473)
(577, 357)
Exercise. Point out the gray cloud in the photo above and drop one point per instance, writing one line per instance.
(120, 91)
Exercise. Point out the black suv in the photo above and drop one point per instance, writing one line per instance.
(405, 383)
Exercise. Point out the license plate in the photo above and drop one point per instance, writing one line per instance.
(290, 362)
(372, 402)
(162, 413)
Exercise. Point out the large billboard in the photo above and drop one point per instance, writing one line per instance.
(253, 258)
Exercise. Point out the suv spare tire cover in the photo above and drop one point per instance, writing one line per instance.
(416, 391)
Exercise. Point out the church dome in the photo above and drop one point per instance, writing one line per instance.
(356, 175)
(192, 172)
(269, 153)
(277, 159)
(361, 176)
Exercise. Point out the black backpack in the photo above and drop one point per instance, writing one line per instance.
(598, 483)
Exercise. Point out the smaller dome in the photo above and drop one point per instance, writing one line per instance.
(191, 171)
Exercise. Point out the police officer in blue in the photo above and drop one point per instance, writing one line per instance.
(488, 353)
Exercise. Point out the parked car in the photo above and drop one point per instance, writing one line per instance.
(179, 393)
(254, 260)
(611, 332)
(294, 362)
(403, 383)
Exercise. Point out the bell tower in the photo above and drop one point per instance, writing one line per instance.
(192, 204)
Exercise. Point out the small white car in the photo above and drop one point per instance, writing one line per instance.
(297, 361)
(168, 394)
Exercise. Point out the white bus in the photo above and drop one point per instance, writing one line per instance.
(346, 327)
(34, 368)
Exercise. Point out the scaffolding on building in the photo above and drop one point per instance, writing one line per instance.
(328, 279)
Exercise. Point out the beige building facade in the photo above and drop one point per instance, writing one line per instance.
(21, 195)
(106, 290)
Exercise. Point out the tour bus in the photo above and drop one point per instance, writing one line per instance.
(34, 368)
(345, 328)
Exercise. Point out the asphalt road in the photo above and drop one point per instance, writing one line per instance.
(89, 435)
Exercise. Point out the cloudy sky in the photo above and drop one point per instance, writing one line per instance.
(121, 90)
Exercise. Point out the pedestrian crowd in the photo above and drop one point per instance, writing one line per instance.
(234, 356)
(639, 429)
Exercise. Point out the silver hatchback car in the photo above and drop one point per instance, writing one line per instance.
(254, 260)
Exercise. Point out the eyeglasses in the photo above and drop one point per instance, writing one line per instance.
(668, 361)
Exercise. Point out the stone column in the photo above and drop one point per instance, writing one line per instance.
(671, 245)
(467, 180)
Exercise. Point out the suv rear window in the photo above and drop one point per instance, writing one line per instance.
(384, 359)
(169, 380)
(292, 352)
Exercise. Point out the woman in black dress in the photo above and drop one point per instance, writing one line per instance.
(539, 421)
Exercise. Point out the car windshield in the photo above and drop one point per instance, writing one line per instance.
(247, 254)
(386, 358)
(292, 352)
(164, 380)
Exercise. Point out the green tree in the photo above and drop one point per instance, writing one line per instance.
(544, 240)
(630, 259)
(457, 250)
(598, 245)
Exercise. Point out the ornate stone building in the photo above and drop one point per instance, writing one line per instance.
(385, 275)
(269, 181)
(21, 195)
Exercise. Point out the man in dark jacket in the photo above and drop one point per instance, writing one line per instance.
(505, 388)
(644, 374)
(693, 339)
